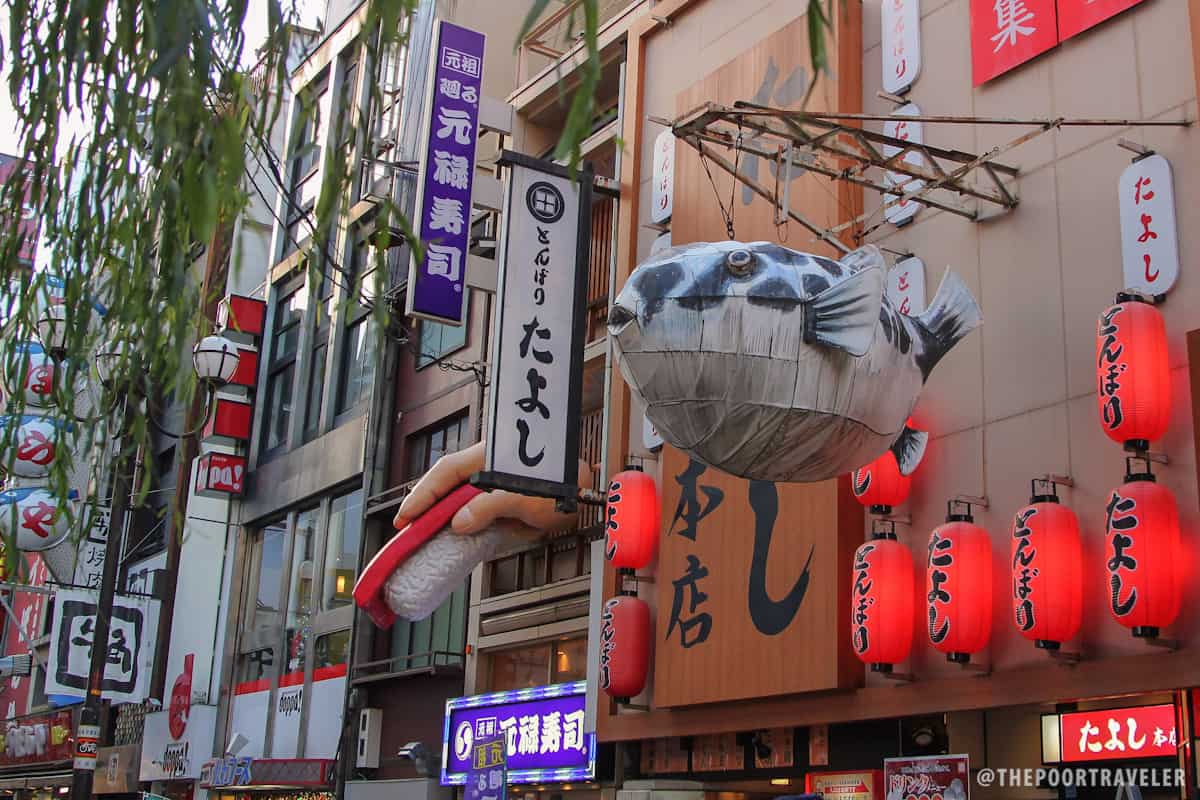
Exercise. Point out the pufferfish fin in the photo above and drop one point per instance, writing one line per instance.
(846, 314)
(951, 316)
(909, 449)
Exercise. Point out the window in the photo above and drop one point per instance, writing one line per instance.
(358, 340)
(300, 589)
(332, 650)
(561, 661)
(341, 550)
(269, 579)
(281, 370)
(439, 639)
(318, 354)
(347, 91)
(426, 447)
(254, 665)
(565, 557)
(308, 136)
(569, 662)
(437, 340)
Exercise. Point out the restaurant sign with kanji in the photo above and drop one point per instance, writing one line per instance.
(542, 734)
(1118, 733)
(1008, 33)
(1149, 237)
(537, 355)
(131, 639)
(437, 282)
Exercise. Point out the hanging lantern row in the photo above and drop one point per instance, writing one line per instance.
(35, 518)
(1133, 378)
(1143, 561)
(630, 544)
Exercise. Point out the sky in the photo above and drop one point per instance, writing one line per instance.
(255, 28)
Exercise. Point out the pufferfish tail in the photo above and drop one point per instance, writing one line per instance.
(951, 316)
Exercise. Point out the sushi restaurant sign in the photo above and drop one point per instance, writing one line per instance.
(749, 571)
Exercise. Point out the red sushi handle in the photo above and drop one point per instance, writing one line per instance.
(369, 588)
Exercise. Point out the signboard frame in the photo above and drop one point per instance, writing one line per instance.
(959, 765)
(566, 489)
(520, 696)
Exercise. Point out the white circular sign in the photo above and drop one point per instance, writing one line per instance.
(463, 739)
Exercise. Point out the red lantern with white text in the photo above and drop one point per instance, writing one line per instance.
(1144, 554)
(624, 647)
(882, 602)
(1133, 379)
(880, 486)
(959, 584)
(631, 532)
(1047, 571)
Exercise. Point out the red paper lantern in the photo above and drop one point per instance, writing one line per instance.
(1047, 571)
(880, 486)
(631, 535)
(959, 584)
(882, 602)
(624, 647)
(1133, 379)
(1144, 554)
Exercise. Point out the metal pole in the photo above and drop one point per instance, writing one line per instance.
(87, 730)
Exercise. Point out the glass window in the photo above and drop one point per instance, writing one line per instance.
(426, 447)
(441, 639)
(281, 370)
(254, 666)
(317, 358)
(570, 660)
(520, 668)
(358, 363)
(565, 559)
(270, 574)
(300, 583)
(341, 550)
(331, 650)
(437, 340)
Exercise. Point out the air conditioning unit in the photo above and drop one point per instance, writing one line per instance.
(370, 727)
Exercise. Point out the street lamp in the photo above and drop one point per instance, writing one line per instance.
(215, 359)
(52, 328)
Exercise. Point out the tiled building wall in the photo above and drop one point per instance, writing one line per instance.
(1015, 399)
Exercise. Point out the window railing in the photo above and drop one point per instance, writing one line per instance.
(604, 216)
(412, 662)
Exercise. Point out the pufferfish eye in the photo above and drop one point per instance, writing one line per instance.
(739, 262)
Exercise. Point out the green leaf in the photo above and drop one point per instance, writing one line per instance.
(536, 7)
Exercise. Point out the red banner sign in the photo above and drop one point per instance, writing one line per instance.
(32, 740)
(1007, 33)
(1118, 733)
(1076, 16)
(926, 777)
(221, 473)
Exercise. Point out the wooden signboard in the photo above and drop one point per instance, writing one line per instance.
(752, 580)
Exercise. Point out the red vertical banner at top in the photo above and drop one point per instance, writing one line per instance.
(1076, 16)
(1007, 33)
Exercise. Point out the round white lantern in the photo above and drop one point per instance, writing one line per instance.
(35, 517)
(30, 373)
(215, 358)
(36, 442)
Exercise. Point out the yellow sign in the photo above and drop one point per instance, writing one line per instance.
(489, 754)
(845, 785)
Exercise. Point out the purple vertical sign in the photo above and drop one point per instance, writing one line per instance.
(437, 284)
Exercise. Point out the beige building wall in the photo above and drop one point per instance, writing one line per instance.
(1015, 399)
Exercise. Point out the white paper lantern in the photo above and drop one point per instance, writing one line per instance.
(35, 517)
(36, 442)
(30, 373)
(215, 358)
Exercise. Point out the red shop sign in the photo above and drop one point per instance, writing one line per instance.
(1076, 16)
(1118, 733)
(220, 473)
(32, 740)
(1007, 33)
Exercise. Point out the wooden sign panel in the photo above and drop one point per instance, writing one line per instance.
(752, 581)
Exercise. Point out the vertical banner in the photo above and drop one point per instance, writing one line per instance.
(537, 356)
(907, 130)
(663, 188)
(26, 224)
(906, 286)
(437, 284)
(487, 778)
(901, 30)
(131, 638)
(1149, 237)
(89, 564)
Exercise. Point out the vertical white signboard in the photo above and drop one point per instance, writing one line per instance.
(533, 438)
(909, 130)
(1149, 238)
(901, 44)
(663, 190)
(906, 286)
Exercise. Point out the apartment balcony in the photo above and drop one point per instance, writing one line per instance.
(551, 53)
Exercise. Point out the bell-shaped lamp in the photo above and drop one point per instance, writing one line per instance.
(215, 359)
(52, 328)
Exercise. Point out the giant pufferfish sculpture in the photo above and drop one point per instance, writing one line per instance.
(776, 365)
